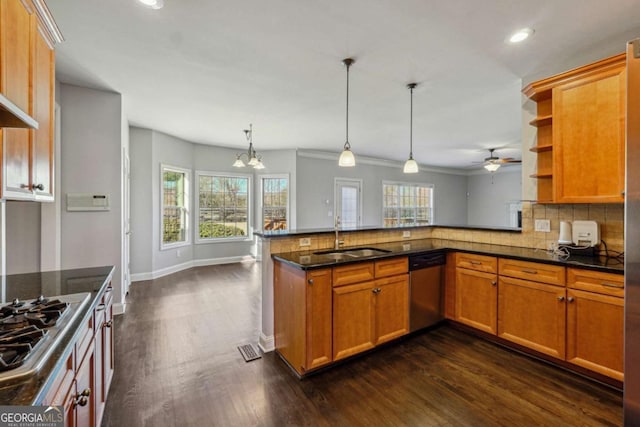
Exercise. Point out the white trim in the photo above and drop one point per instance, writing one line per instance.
(267, 343)
(196, 232)
(347, 181)
(187, 201)
(140, 277)
(119, 308)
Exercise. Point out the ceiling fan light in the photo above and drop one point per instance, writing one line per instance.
(492, 167)
(521, 35)
(153, 4)
(347, 159)
(410, 166)
(238, 163)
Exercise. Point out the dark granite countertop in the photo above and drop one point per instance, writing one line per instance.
(31, 390)
(307, 260)
(269, 234)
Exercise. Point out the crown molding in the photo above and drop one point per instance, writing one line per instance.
(46, 18)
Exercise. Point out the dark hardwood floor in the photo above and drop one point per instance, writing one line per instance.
(177, 365)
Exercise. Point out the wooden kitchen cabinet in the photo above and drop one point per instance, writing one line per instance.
(303, 316)
(476, 291)
(595, 321)
(27, 78)
(391, 308)
(581, 134)
(354, 319)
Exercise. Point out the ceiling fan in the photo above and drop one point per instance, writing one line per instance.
(493, 162)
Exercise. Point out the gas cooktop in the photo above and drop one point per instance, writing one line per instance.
(30, 330)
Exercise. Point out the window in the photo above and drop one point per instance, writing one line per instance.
(223, 207)
(406, 204)
(348, 201)
(175, 206)
(275, 202)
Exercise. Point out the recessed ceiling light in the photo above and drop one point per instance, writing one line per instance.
(520, 35)
(153, 4)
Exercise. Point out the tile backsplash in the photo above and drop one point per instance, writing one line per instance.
(610, 218)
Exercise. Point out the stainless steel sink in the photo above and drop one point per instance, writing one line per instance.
(344, 254)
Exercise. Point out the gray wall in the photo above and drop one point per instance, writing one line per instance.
(23, 237)
(315, 185)
(140, 142)
(488, 196)
(91, 154)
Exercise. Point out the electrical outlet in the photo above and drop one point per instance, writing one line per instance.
(406, 233)
(543, 225)
(305, 241)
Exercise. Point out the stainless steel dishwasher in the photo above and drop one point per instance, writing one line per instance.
(426, 284)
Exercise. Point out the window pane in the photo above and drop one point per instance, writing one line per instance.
(224, 203)
(414, 202)
(275, 194)
(174, 215)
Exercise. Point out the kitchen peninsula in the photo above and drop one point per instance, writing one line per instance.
(522, 297)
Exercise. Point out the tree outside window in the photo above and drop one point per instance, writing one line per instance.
(223, 208)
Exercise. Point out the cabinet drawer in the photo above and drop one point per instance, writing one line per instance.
(483, 263)
(596, 281)
(534, 271)
(353, 273)
(391, 267)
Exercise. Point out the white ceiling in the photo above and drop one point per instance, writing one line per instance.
(202, 70)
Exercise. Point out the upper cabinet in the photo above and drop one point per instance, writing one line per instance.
(27, 80)
(580, 141)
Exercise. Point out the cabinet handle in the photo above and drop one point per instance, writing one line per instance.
(561, 299)
(493, 283)
(571, 299)
(37, 187)
(529, 271)
(82, 398)
(100, 307)
(376, 290)
(475, 262)
(613, 285)
(109, 289)
(310, 281)
(108, 324)
(622, 193)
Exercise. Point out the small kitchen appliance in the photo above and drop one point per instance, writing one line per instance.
(585, 233)
(565, 237)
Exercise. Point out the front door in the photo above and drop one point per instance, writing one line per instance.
(348, 201)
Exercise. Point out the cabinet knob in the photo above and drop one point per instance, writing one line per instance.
(37, 187)
(376, 290)
(108, 324)
(100, 307)
(82, 398)
(310, 281)
(493, 283)
(571, 299)
(560, 298)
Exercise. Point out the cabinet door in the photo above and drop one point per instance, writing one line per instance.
(477, 299)
(595, 332)
(43, 77)
(318, 346)
(589, 138)
(107, 352)
(353, 319)
(85, 380)
(391, 308)
(98, 385)
(15, 80)
(533, 315)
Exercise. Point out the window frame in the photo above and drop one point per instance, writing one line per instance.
(187, 211)
(261, 198)
(414, 185)
(249, 236)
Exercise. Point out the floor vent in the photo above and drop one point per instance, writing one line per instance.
(249, 352)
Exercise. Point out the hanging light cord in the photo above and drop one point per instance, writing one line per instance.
(348, 63)
(411, 125)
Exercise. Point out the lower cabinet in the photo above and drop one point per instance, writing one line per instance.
(328, 314)
(532, 314)
(82, 384)
(477, 299)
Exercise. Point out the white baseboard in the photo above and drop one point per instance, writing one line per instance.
(119, 308)
(139, 277)
(267, 343)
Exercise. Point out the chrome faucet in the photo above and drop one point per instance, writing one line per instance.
(338, 242)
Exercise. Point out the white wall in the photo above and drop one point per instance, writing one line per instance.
(488, 196)
(140, 143)
(91, 154)
(315, 185)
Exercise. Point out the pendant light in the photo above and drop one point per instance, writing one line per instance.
(252, 157)
(411, 166)
(347, 159)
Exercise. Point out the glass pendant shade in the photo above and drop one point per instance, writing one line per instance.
(259, 165)
(347, 159)
(253, 161)
(238, 163)
(492, 167)
(410, 166)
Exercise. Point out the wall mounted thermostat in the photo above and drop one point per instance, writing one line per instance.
(87, 202)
